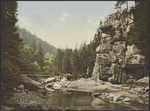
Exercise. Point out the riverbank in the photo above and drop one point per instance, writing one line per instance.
(102, 92)
(106, 92)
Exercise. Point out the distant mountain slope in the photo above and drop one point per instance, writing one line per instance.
(28, 39)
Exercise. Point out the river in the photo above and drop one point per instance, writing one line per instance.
(82, 101)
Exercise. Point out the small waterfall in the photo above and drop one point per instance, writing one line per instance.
(95, 73)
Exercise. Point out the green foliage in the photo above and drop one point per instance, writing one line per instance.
(46, 68)
(139, 33)
(33, 59)
(27, 58)
(48, 63)
(48, 57)
(37, 66)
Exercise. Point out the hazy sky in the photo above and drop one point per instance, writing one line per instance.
(64, 23)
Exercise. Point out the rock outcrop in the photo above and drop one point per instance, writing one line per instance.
(31, 84)
(115, 59)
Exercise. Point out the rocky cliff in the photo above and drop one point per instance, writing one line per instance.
(115, 60)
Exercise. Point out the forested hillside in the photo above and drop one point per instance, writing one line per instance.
(29, 38)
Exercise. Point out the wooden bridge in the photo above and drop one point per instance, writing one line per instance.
(39, 74)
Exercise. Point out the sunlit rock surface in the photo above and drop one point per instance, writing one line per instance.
(115, 59)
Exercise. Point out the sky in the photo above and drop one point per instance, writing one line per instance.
(64, 24)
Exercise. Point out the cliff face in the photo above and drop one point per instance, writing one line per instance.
(115, 60)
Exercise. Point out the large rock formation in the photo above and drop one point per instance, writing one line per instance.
(115, 59)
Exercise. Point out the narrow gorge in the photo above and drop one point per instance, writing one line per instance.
(109, 73)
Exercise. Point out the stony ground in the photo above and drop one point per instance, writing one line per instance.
(102, 92)
(31, 100)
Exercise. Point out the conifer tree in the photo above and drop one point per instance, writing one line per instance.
(40, 56)
(33, 46)
(75, 63)
(58, 61)
(10, 53)
(83, 59)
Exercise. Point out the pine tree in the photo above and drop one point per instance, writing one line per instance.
(83, 59)
(33, 46)
(9, 15)
(58, 61)
(10, 53)
(40, 56)
(75, 63)
(66, 64)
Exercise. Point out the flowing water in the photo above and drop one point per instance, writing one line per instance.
(82, 101)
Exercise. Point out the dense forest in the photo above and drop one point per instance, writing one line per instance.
(29, 38)
(23, 52)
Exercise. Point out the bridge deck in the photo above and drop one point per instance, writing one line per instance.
(39, 75)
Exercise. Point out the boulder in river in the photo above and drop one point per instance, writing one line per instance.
(50, 79)
(56, 85)
(126, 99)
(97, 102)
